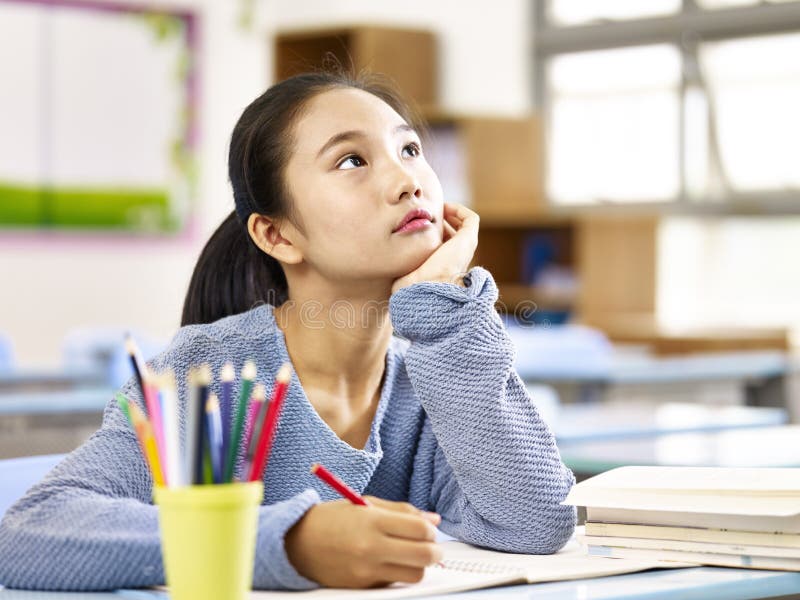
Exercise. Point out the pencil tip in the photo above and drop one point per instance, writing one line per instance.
(284, 373)
(314, 467)
(228, 372)
(249, 370)
(204, 374)
(259, 392)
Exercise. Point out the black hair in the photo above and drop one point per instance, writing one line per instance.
(232, 274)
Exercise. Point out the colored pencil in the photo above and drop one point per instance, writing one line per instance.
(199, 474)
(122, 401)
(271, 423)
(214, 426)
(256, 415)
(137, 362)
(227, 376)
(248, 375)
(337, 484)
(169, 412)
(148, 441)
(153, 404)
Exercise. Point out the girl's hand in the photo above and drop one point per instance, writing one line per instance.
(451, 260)
(339, 544)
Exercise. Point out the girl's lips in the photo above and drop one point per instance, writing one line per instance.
(414, 225)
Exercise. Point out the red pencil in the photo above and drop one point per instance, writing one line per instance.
(270, 423)
(337, 484)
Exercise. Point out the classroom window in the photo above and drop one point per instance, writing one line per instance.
(734, 271)
(613, 133)
(98, 117)
(712, 4)
(753, 86)
(581, 12)
(689, 103)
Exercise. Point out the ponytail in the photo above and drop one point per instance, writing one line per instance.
(231, 276)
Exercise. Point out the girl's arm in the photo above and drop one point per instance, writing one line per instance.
(486, 461)
(90, 524)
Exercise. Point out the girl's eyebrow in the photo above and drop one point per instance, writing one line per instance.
(346, 136)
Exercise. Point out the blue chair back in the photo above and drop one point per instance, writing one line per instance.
(6, 352)
(18, 475)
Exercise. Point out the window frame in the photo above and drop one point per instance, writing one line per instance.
(684, 30)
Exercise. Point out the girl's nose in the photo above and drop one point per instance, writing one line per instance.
(405, 187)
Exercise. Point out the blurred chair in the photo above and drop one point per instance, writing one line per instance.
(103, 349)
(18, 475)
(6, 352)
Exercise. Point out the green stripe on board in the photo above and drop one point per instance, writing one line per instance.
(84, 207)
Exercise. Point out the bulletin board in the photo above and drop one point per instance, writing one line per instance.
(98, 116)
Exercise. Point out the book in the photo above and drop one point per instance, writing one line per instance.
(697, 534)
(757, 500)
(707, 520)
(705, 558)
(691, 546)
(466, 567)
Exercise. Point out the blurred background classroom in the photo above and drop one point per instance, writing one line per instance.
(636, 166)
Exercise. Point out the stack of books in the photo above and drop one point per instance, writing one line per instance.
(713, 516)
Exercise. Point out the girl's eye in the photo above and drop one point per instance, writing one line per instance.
(414, 149)
(353, 161)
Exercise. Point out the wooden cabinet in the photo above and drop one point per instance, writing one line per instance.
(408, 56)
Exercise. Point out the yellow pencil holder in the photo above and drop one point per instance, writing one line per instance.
(208, 539)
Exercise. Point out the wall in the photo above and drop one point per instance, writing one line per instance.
(54, 285)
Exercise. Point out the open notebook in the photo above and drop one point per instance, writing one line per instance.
(467, 568)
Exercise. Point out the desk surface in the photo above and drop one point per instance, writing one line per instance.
(701, 583)
(757, 447)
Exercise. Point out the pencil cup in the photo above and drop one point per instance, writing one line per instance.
(208, 539)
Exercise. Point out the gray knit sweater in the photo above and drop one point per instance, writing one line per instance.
(455, 432)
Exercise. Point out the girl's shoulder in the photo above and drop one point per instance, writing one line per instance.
(253, 323)
(222, 339)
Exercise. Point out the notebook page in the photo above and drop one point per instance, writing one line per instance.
(572, 562)
(467, 568)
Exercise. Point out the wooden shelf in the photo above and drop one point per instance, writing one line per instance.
(514, 294)
(407, 56)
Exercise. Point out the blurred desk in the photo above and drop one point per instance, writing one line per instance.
(777, 446)
(77, 400)
(50, 422)
(595, 421)
(752, 377)
(43, 380)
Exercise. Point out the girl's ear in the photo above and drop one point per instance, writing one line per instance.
(266, 234)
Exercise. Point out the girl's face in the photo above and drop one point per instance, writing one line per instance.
(356, 172)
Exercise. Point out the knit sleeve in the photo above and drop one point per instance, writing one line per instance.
(90, 523)
(486, 461)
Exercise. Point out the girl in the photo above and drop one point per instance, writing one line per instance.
(338, 218)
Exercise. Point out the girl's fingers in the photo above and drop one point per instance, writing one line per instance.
(394, 573)
(409, 527)
(449, 230)
(451, 214)
(410, 554)
(459, 211)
